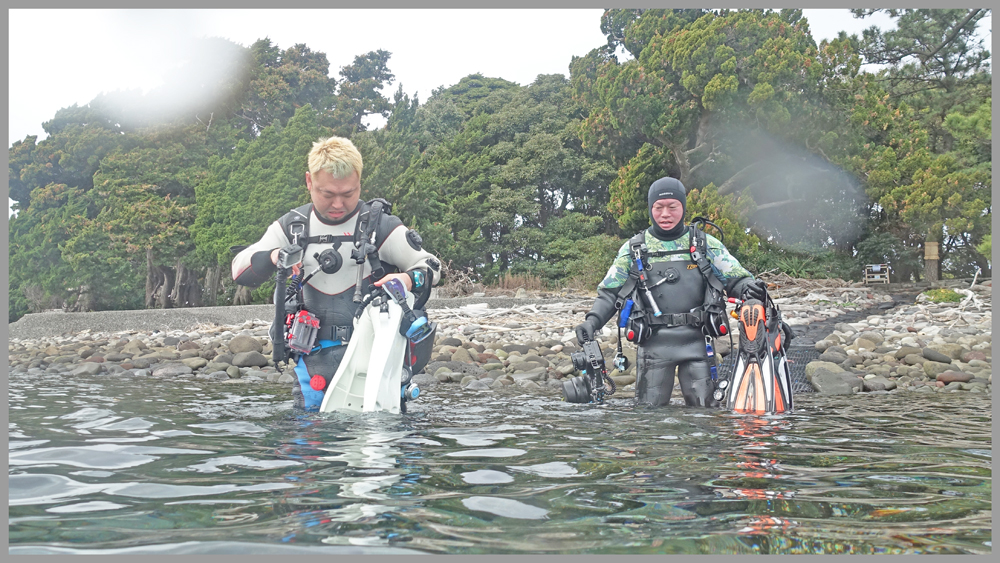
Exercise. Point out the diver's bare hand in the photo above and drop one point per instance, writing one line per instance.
(405, 279)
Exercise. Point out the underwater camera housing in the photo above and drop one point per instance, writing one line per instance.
(589, 387)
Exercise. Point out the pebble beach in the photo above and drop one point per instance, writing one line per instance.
(868, 340)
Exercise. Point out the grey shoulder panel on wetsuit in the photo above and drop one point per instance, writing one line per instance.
(386, 225)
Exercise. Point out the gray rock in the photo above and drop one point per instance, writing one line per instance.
(471, 329)
(244, 343)
(478, 385)
(171, 370)
(906, 351)
(915, 359)
(249, 359)
(450, 342)
(623, 380)
(817, 366)
(535, 375)
(468, 379)
(832, 357)
(171, 341)
(879, 383)
(520, 348)
(527, 384)
(286, 379)
(233, 372)
(873, 336)
(223, 358)
(423, 380)
(932, 369)
(830, 383)
(849, 362)
(461, 355)
(845, 328)
(953, 351)
(870, 385)
(497, 384)
(134, 347)
(194, 363)
(935, 356)
(821, 346)
(216, 366)
(89, 368)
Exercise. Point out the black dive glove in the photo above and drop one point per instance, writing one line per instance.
(599, 315)
(585, 331)
(754, 289)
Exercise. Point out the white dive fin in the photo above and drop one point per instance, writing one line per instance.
(369, 376)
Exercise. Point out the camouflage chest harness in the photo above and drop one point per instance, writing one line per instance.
(713, 306)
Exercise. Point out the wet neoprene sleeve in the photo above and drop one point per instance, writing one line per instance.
(735, 287)
(261, 270)
(603, 308)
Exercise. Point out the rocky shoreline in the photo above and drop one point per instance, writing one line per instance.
(489, 344)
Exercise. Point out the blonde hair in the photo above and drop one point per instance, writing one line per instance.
(337, 155)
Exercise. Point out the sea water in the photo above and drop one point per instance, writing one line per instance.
(106, 464)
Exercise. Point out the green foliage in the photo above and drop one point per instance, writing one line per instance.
(809, 164)
(483, 195)
(886, 248)
(811, 264)
(262, 180)
(943, 295)
(985, 247)
(36, 235)
(730, 214)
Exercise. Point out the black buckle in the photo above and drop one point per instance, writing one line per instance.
(342, 333)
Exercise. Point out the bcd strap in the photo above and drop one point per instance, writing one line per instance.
(678, 319)
(699, 255)
(626, 290)
(326, 239)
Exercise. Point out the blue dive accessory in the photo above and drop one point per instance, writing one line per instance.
(417, 277)
(626, 313)
(710, 352)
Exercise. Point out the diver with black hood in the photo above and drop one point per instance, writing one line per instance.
(675, 275)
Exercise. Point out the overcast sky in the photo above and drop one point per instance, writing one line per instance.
(59, 58)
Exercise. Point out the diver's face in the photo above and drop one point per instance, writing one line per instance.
(333, 198)
(667, 213)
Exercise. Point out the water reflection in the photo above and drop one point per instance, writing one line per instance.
(184, 467)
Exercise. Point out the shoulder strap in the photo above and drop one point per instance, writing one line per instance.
(625, 291)
(699, 255)
(295, 223)
(369, 218)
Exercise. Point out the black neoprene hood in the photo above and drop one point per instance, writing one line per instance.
(667, 188)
